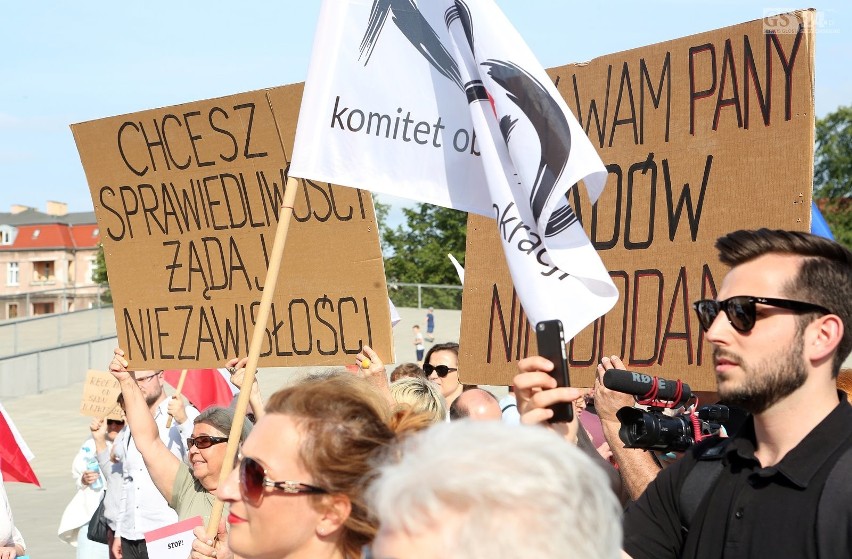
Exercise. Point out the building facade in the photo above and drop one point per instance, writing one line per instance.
(46, 261)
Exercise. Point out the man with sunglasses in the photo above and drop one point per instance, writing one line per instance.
(144, 507)
(780, 328)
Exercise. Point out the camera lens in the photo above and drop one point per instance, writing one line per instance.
(654, 430)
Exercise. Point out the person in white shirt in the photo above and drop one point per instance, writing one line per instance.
(113, 469)
(144, 507)
(74, 524)
(11, 542)
(509, 407)
(419, 348)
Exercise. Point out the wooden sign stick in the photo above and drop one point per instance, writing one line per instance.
(257, 338)
(177, 394)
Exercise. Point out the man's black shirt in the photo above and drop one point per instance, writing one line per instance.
(750, 511)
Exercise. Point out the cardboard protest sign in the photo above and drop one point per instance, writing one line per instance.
(702, 135)
(100, 392)
(187, 200)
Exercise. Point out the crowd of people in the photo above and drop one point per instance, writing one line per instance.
(413, 463)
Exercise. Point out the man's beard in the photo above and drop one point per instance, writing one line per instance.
(766, 383)
(152, 397)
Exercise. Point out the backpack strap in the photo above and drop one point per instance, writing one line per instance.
(834, 515)
(699, 480)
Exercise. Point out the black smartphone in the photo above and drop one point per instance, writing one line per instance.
(551, 346)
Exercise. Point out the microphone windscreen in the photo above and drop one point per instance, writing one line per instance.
(639, 384)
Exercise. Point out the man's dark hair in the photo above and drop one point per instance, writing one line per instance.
(824, 278)
(448, 346)
(457, 411)
(407, 370)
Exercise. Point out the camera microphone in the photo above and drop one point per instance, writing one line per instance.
(647, 386)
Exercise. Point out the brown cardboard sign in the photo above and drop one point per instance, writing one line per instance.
(187, 200)
(701, 136)
(100, 392)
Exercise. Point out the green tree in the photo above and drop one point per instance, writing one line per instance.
(99, 275)
(382, 211)
(417, 253)
(833, 172)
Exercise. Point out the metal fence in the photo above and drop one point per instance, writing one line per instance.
(61, 300)
(424, 295)
(52, 330)
(46, 369)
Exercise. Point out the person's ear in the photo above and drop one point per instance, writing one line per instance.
(822, 337)
(335, 512)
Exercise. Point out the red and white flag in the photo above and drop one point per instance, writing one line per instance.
(441, 101)
(204, 387)
(15, 455)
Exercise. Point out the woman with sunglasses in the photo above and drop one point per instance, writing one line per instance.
(441, 366)
(187, 488)
(299, 488)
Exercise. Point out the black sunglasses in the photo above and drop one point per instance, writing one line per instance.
(253, 479)
(204, 441)
(115, 422)
(742, 310)
(442, 370)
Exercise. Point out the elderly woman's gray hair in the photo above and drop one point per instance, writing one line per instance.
(222, 418)
(510, 491)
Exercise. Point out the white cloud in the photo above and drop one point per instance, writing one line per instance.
(11, 156)
(8, 121)
(33, 123)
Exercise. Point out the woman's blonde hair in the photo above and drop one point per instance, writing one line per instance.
(345, 425)
(420, 395)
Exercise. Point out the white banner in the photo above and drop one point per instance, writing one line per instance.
(443, 102)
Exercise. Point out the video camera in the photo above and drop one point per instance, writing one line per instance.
(653, 429)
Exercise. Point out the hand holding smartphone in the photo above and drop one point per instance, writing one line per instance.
(551, 346)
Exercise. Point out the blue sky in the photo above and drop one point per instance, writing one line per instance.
(67, 62)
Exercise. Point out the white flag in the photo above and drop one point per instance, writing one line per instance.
(459, 268)
(441, 101)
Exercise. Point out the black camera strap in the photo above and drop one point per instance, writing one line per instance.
(699, 481)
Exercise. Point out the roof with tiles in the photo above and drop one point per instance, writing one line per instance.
(86, 236)
(30, 229)
(54, 236)
(31, 216)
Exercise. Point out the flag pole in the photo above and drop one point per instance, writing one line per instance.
(258, 335)
(177, 394)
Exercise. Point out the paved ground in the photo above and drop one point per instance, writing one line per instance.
(54, 430)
